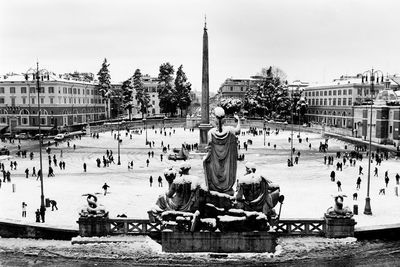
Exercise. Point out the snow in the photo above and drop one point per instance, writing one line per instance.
(227, 218)
(250, 178)
(306, 186)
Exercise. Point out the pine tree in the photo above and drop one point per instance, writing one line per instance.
(104, 85)
(182, 88)
(166, 92)
(142, 96)
(127, 91)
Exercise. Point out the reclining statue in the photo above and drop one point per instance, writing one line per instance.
(256, 193)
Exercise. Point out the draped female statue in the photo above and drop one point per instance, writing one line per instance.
(220, 164)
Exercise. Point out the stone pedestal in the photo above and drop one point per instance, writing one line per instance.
(93, 226)
(339, 227)
(204, 128)
(218, 242)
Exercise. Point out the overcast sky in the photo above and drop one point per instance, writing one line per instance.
(311, 40)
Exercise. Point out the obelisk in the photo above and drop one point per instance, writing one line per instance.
(205, 115)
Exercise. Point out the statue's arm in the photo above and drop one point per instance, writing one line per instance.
(237, 128)
(171, 191)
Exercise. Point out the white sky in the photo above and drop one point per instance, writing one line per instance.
(311, 40)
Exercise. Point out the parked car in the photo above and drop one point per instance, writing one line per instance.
(22, 136)
(59, 137)
(4, 151)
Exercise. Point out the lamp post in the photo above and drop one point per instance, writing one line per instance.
(291, 130)
(37, 75)
(145, 128)
(264, 130)
(119, 155)
(371, 74)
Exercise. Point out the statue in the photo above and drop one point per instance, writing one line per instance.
(256, 193)
(93, 209)
(338, 210)
(182, 194)
(220, 164)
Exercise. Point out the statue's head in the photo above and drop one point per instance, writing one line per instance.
(219, 115)
(250, 167)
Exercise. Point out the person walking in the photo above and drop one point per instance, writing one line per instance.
(151, 181)
(397, 178)
(84, 166)
(26, 173)
(333, 174)
(53, 204)
(24, 209)
(387, 181)
(339, 186)
(358, 182)
(376, 172)
(159, 181)
(360, 169)
(105, 187)
(147, 162)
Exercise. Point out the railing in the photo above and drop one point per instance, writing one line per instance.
(301, 227)
(132, 227)
(283, 227)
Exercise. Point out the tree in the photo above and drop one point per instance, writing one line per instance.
(182, 89)
(104, 85)
(142, 95)
(127, 91)
(231, 105)
(270, 97)
(166, 93)
(254, 101)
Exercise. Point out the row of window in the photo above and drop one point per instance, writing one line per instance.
(50, 90)
(330, 102)
(51, 100)
(330, 92)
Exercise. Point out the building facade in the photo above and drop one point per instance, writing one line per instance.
(385, 119)
(64, 101)
(236, 88)
(333, 103)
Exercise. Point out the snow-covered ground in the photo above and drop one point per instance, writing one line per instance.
(307, 187)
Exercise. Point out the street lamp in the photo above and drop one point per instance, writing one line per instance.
(371, 74)
(119, 156)
(145, 128)
(264, 129)
(37, 74)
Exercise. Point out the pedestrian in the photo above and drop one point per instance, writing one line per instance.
(159, 181)
(39, 174)
(397, 178)
(333, 176)
(386, 181)
(105, 187)
(339, 184)
(84, 166)
(161, 157)
(151, 180)
(376, 172)
(53, 204)
(24, 209)
(37, 215)
(33, 171)
(26, 173)
(51, 172)
(358, 182)
(147, 162)
(360, 170)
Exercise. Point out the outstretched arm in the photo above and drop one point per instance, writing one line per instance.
(237, 128)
